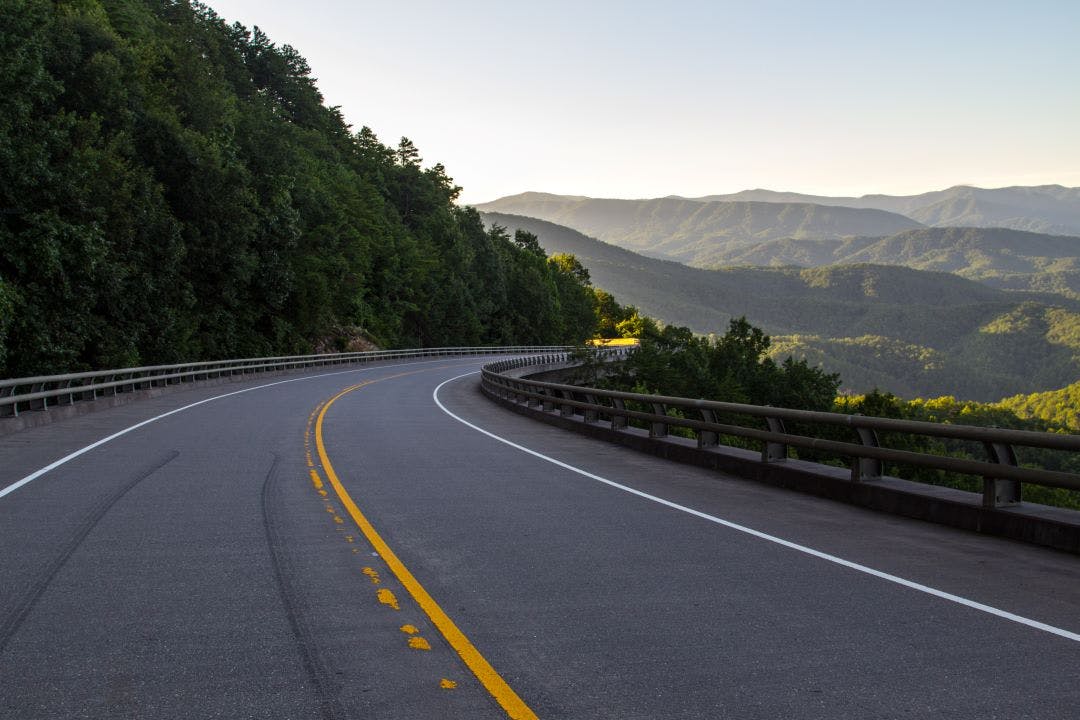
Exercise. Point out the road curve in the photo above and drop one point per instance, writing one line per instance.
(210, 564)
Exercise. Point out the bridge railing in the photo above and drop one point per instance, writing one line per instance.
(707, 420)
(19, 395)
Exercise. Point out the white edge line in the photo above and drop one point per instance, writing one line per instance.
(68, 458)
(765, 536)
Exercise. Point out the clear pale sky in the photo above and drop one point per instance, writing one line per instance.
(645, 99)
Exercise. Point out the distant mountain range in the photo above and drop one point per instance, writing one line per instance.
(1051, 209)
(910, 331)
(696, 232)
(712, 230)
(1007, 259)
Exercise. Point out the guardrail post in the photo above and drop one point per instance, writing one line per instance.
(548, 404)
(774, 451)
(33, 404)
(591, 414)
(13, 408)
(566, 410)
(618, 422)
(866, 468)
(708, 438)
(658, 429)
(998, 492)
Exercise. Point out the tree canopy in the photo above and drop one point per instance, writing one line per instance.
(733, 367)
(173, 187)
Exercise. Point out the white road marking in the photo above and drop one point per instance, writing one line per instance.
(82, 451)
(765, 536)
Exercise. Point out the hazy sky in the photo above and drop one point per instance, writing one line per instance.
(644, 99)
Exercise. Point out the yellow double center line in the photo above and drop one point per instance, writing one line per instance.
(514, 706)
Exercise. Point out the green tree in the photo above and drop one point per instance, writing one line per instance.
(574, 291)
(733, 368)
(173, 187)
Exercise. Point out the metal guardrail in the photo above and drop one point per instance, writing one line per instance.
(38, 393)
(1002, 475)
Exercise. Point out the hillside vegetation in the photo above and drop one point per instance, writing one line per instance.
(173, 188)
(915, 333)
(1057, 408)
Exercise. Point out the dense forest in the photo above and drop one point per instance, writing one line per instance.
(733, 367)
(173, 188)
(1060, 409)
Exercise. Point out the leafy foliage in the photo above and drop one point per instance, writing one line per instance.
(733, 367)
(173, 187)
(620, 321)
(1059, 409)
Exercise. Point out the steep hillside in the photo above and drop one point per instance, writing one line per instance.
(909, 331)
(173, 187)
(694, 232)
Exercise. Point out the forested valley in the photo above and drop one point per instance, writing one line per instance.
(173, 188)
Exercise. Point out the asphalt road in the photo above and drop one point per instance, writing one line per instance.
(205, 565)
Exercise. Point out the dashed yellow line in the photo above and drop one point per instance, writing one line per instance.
(387, 597)
(509, 700)
(418, 643)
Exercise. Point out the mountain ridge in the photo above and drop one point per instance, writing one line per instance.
(1047, 209)
(1003, 258)
(690, 231)
(909, 331)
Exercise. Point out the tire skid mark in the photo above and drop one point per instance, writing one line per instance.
(10, 624)
(327, 690)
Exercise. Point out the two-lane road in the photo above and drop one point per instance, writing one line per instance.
(350, 544)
